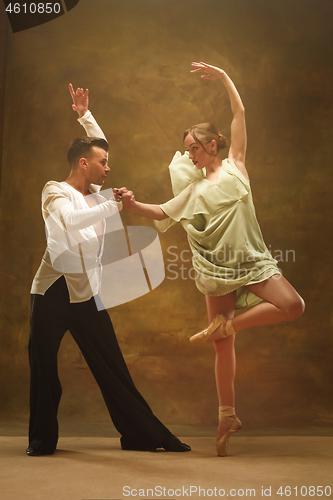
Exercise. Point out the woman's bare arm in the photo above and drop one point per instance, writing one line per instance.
(148, 210)
(238, 143)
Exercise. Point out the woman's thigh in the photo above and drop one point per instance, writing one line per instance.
(278, 291)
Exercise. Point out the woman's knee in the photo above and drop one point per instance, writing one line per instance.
(295, 308)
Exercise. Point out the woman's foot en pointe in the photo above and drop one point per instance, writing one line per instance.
(220, 324)
(228, 417)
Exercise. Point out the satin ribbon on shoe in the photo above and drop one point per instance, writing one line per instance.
(227, 416)
(216, 324)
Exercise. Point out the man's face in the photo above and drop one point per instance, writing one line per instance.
(97, 166)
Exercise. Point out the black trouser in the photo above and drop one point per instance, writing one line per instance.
(52, 315)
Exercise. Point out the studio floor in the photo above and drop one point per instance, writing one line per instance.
(95, 468)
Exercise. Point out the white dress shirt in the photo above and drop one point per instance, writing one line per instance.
(73, 247)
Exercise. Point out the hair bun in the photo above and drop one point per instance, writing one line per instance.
(207, 133)
(222, 141)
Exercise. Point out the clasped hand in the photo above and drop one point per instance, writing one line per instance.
(124, 195)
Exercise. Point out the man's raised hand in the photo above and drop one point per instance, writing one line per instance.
(80, 100)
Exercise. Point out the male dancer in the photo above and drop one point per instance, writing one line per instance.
(64, 294)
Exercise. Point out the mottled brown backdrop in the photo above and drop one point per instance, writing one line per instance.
(134, 56)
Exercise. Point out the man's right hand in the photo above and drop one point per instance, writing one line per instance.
(80, 100)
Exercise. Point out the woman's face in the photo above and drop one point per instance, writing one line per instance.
(197, 154)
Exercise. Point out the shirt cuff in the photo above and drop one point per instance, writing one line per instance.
(83, 118)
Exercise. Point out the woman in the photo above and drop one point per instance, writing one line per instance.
(234, 268)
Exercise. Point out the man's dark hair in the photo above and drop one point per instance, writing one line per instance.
(82, 146)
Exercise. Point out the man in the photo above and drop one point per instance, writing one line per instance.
(64, 296)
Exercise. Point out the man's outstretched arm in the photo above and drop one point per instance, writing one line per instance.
(86, 119)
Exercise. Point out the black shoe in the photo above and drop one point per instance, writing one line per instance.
(35, 452)
(135, 446)
(172, 443)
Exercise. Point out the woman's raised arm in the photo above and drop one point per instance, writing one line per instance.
(237, 149)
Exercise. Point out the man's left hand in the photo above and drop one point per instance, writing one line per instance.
(80, 100)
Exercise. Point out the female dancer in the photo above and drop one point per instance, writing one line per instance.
(234, 268)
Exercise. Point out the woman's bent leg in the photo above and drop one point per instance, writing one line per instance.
(283, 303)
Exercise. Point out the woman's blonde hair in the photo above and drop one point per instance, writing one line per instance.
(208, 132)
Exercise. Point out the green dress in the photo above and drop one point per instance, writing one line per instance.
(222, 229)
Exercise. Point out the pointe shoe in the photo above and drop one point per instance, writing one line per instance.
(217, 324)
(204, 335)
(225, 416)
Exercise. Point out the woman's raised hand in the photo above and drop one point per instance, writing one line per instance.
(212, 72)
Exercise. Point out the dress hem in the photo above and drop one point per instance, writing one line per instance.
(251, 282)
